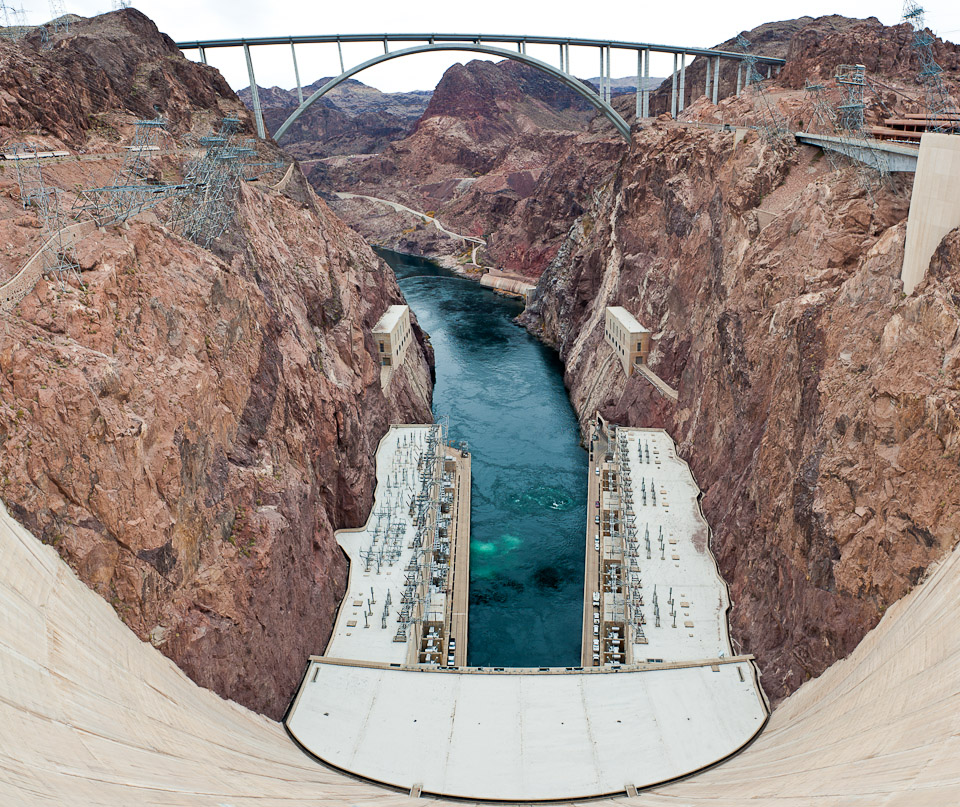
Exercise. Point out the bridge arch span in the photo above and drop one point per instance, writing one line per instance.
(475, 47)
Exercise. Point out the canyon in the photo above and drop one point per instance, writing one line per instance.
(189, 426)
(817, 404)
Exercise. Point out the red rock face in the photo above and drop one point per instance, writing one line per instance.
(188, 428)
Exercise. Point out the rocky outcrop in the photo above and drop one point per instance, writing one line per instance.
(818, 405)
(107, 66)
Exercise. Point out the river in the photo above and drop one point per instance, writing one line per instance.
(503, 393)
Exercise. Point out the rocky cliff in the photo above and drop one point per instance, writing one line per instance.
(818, 406)
(189, 427)
(108, 66)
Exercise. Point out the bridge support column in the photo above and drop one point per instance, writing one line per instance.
(203, 55)
(769, 71)
(639, 112)
(565, 69)
(600, 83)
(296, 72)
(646, 89)
(255, 93)
(739, 77)
(706, 89)
(340, 53)
(609, 90)
(673, 88)
(683, 80)
(716, 80)
(566, 57)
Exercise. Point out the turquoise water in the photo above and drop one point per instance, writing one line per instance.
(503, 392)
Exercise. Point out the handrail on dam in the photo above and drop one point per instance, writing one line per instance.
(488, 44)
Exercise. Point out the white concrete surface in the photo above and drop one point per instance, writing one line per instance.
(397, 483)
(526, 735)
(934, 204)
(684, 569)
(90, 715)
(390, 319)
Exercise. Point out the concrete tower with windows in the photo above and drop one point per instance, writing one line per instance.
(628, 338)
(392, 335)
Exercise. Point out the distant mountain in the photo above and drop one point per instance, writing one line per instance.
(621, 86)
(352, 119)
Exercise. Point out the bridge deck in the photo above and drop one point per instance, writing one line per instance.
(615, 44)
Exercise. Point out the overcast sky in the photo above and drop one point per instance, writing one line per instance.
(700, 23)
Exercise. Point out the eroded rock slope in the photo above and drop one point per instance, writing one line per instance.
(188, 427)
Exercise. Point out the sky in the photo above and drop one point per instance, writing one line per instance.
(695, 23)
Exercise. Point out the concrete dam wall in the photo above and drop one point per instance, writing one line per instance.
(89, 715)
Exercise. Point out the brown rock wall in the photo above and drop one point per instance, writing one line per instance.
(817, 404)
(190, 429)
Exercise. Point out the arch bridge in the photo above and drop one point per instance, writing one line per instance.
(506, 47)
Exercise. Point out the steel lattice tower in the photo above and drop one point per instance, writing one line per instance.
(203, 215)
(128, 195)
(852, 77)
(14, 22)
(57, 259)
(773, 128)
(826, 117)
(937, 98)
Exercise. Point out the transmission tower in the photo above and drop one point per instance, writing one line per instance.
(29, 177)
(826, 117)
(59, 19)
(846, 123)
(851, 77)
(204, 214)
(127, 195)
(937, 98)
(57, 259)
(774, 128)
(120, 4)
(14, 22)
